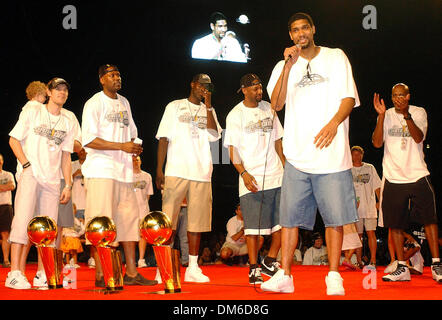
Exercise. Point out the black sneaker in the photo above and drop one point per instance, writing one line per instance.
(255, 276)
(270, 269)
(138, 280)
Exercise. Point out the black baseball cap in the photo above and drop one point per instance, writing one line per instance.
(106, 69)
(248, 80)
(54, 82)
(204, 79)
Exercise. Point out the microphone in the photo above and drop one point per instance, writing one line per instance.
(246, 50)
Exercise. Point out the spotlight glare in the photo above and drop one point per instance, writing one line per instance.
(243, 19)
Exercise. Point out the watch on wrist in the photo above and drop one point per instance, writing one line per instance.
(407, 117)
(68, 186)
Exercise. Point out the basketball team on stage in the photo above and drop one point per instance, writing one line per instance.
(285, 174)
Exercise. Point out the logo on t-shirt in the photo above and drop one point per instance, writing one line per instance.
(120, 117)
(396, 131)
(311, 80)
(264, 125)
(4, 181)
(140, 184)
(44, 131)
(200, 121)
(361, 178)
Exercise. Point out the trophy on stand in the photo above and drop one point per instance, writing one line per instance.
(42, 231)
(156, 229)
(101, 231)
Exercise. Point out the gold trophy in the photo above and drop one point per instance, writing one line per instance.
(101, 231)
(156, 229)
(42, 231)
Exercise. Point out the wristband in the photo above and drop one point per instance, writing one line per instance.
(242, 173)
(209, 109)
(27, 164)
(407, 117)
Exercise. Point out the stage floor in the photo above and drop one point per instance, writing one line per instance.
(231, 283)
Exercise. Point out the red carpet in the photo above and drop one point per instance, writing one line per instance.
(231, 283)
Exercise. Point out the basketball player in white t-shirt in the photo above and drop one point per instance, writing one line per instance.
(42, 140)
(316, 85)
(108, 134)
(402, 131)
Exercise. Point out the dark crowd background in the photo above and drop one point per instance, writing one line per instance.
(150, 41)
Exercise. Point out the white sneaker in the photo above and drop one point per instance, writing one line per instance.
(391, 267)
(400, 274)
(40, 279)
(334, 284)
(417, 262)
(91, 262)
(142, 263)
(195, 274)
(279, 283)
(158, 276)
(16, 280)
(436, 271)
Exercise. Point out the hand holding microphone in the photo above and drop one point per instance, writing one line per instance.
(291, 54)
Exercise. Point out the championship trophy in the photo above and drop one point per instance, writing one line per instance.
(101, 231)
(42, 231)
(156, 229)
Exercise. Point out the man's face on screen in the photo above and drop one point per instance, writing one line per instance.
(219, 29)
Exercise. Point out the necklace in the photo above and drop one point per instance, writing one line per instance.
(193, 123)
(194, 117)
(51, 141)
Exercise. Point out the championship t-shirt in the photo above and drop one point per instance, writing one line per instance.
(253, 132)
(315, 90)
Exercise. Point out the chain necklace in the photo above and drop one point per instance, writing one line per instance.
(49, 118)
(195, 116)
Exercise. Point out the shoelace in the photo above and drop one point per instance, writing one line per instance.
(398, 271)
(277, 265)
(437, 267)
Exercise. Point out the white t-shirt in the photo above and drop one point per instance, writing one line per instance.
(366, 180)
(313, 99)
(143, 188)
(78, 189)
(208, 47)
(6, 196)
(111, 120)
(184, 124)
(250, 131)
(404, 158)
(43, 138)
(315, 257)
(234, 225)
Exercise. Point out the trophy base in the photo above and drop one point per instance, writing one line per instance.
(172, 290)
(58, 286)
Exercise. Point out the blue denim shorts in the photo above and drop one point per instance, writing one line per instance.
(261, 214)
(302, 194)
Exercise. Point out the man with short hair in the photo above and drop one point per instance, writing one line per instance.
(108, 138)
(254, 138)
(220, 44)
(367, 187)
(185, 132)
(408, 194)
(42, 140)
(316, 255)
(316, 85)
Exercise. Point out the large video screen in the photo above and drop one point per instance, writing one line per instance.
(221, 41)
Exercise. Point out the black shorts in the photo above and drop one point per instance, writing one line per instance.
(403, 203)
(6, 215)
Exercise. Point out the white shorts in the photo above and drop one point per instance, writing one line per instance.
(368, 223)
(31, 199)
(116, 200)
